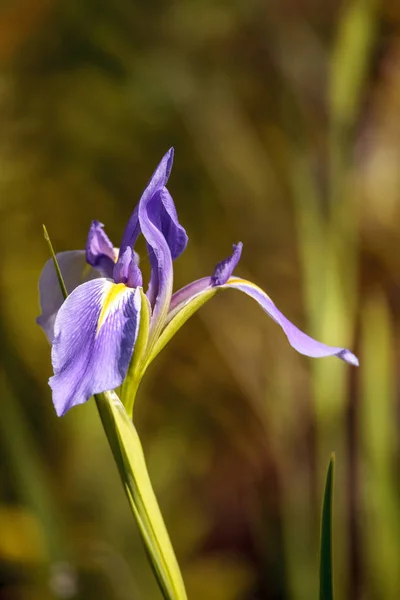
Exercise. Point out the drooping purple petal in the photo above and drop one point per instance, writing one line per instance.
(221, 279)
(100, 252)
(225, 268)
(127, 271)
(157, 181)
(75, 271)
(95, 333)
(300, 341)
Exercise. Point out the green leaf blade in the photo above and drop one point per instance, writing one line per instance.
(56, 265)
(326, 558)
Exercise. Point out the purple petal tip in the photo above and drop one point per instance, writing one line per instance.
(170, 159)
(349, 357)
(225, 268)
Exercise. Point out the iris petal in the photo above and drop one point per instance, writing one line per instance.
(222, 272)
(225, 268)
(187, 294)
(161, 279)
(156, 218)
(162, 213)
(75, 271)
(127, 271)
(157, 181)
(95, 333)
(300, 341)
(100, 252)
(188, 299)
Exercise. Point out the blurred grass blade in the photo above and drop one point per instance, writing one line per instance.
(378, 427)
(326, 561)
(128, 454)
(30, 477)
(351, 59)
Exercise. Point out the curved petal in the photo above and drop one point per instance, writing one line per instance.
(165, 217)
(157, 181)
(75, 271)
(162, 213)
(161, 279)
(127, 271)
(95, 333)
(189, 299)
(100, 253)
(156, 218)
(300, 341)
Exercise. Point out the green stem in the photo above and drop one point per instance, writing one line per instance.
(126, 448)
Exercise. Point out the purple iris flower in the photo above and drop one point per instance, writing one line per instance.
(93, 332)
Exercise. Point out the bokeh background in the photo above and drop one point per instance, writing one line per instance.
(285, 118)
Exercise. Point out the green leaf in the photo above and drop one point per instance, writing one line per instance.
(135, 371)
(326, 561)
(128, 453)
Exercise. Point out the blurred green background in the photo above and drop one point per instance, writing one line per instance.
(285, 118)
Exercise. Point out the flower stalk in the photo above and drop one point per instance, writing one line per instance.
(128, 454)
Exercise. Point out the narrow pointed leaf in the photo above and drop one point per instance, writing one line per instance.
(56, 265)
(326, 560)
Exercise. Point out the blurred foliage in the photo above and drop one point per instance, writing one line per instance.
(284, 116)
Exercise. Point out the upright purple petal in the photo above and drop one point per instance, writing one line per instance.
(161, 279)
(166, 218)
(95, 333)
(156, 218)
(127, 270)
(100, 252)
(300, 341)
(157, 181)
(75, 271)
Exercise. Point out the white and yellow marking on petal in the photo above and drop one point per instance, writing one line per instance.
(110, 301)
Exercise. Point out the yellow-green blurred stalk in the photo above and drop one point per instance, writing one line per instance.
(380, 510)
